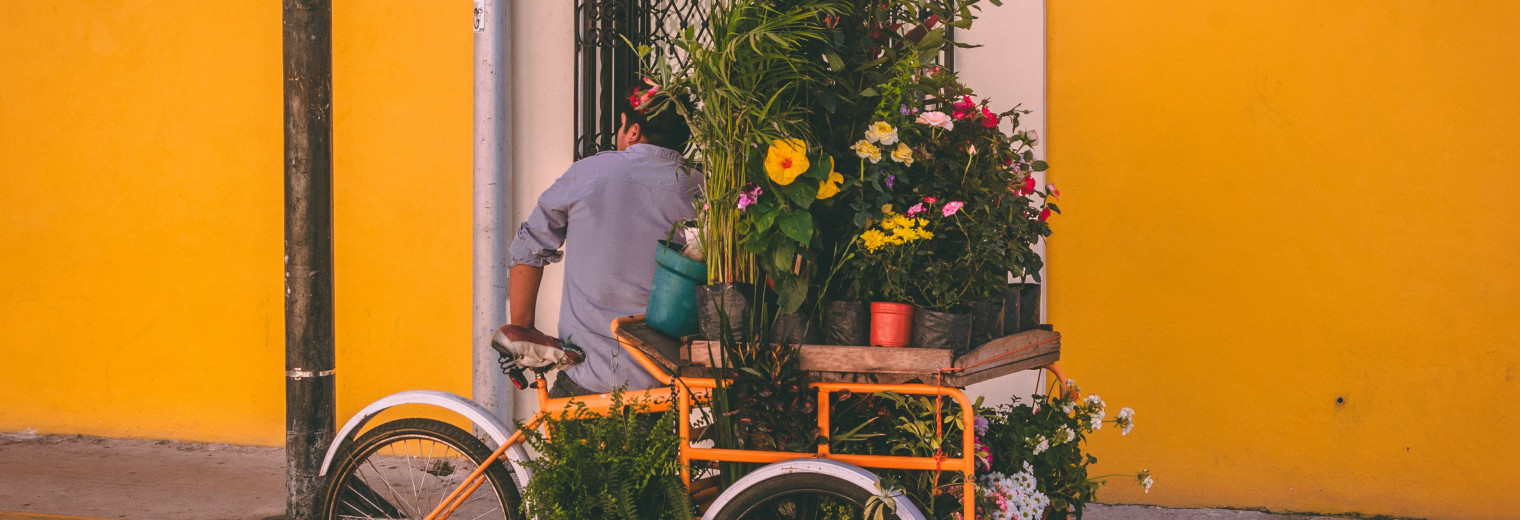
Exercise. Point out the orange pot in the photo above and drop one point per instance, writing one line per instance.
(891, 324)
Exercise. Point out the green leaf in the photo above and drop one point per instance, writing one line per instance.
(834, 62)
(792, 290)
(869, 92)
(756, 243)
(801, 193)
(1040, 166)
(820, 168)
(763, 220)
(783, 255)
(798, 225)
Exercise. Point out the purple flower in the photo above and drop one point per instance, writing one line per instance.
(903, 110)
(890, 180)
(981, 426)
(749, 195)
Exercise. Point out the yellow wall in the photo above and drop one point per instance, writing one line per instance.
(1274, 204)
(140, 170)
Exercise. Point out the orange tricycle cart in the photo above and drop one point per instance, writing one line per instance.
(427, 469)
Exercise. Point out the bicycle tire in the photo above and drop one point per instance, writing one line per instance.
(363, 483)
(767, 499)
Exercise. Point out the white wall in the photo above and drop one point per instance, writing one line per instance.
(1009, 69)
(543, 130)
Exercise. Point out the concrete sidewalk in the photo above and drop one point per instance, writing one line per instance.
(53, 477)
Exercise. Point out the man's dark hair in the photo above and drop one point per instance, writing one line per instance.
(666, 128)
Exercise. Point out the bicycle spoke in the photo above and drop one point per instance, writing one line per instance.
(407, 448)
(387, 483)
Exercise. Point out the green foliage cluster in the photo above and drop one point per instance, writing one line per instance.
(888, 423)
(621, 465)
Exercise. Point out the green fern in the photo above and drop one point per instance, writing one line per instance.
(619, 465)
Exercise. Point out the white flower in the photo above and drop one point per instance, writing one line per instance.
(1095, 412)
(1145, 479)
(881, 132)
(939, 119)
(1040, 444)
(1126, 420)
(1068, 407)
(1067, 434)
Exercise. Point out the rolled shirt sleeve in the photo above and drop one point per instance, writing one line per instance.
(539, 239)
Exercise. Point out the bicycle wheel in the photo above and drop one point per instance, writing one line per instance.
(405, 468)
(799, 496)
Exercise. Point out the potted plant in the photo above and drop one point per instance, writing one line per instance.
(887, 268)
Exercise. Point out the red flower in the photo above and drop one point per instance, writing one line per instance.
(930, 200)
(964, 107)
(1028, 185)
(1044, 214)
(989, 119)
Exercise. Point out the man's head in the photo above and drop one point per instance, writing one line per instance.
(667, 128)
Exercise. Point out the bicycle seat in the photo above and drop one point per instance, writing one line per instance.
(530, 348)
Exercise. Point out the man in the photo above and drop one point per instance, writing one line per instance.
(609, 210)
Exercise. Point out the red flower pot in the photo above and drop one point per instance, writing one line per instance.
(891, 324)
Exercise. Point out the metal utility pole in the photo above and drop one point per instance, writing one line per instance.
(309, 393)
(493, 200)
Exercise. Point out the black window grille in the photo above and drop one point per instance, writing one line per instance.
(606, 65)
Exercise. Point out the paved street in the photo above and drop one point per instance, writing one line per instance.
(47, 477)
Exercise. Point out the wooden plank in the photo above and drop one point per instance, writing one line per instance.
(663, 350)
(1008, 354)
(838, 358)
(964, 380)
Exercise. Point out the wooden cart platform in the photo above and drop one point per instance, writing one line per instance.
(690, 357)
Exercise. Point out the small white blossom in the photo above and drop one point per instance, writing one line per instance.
(1145, 479)
(1066, 434)
(1040, 444)
(1126, 421)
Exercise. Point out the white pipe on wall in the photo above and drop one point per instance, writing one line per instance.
(492, 199)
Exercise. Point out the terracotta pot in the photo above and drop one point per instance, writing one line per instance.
(891, 324)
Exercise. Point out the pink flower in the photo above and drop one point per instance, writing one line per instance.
(1044, 214)
(749, 195)
(938, 119)
(916, 209)
(930, 200)
(952, 207)
(989, 119)
(1051, 189)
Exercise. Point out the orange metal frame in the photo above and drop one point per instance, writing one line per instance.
(700, 389)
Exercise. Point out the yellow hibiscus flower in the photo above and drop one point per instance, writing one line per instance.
(830, 187)
(786, 159)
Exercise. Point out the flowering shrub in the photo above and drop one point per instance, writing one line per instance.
(932, 146)
(1044, 438)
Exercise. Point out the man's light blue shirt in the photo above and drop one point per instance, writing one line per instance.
(608, 211)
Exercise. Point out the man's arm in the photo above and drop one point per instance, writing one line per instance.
(523, 294)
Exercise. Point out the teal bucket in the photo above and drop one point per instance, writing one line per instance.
(673, 294)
